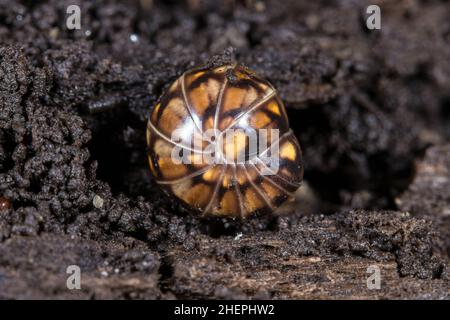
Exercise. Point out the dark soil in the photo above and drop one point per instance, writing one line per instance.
(371, 110)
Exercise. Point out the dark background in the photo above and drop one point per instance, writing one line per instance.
(371, 109)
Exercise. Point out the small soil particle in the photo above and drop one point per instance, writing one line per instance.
(5, 204)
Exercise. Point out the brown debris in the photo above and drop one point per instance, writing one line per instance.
(429, 194)
(315, 258)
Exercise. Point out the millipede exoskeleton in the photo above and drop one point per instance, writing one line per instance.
(219, 140)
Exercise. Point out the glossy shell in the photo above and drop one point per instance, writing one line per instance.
(220, 99)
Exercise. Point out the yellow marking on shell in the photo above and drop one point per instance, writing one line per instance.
(228, 178)
(170, 170)
(226, 182)
(229, 204)
(209, 123)
(196, 159)
(179, 189)
(167, 167)
(204, 95)
(270, 190)
(213, 87)
(236, 146)
(174, 86)
(252, 200)
(193, 77)
(155, 113)
(263, 86)
(198, 195)
(273, 107)
(241, 178)
(148, 135)
(233, 99)
(199, 99)
(162, 148)
(259, 120)
(288, 151)
(225, 122)
(212, 174)
(250, 97)
(173, 115)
